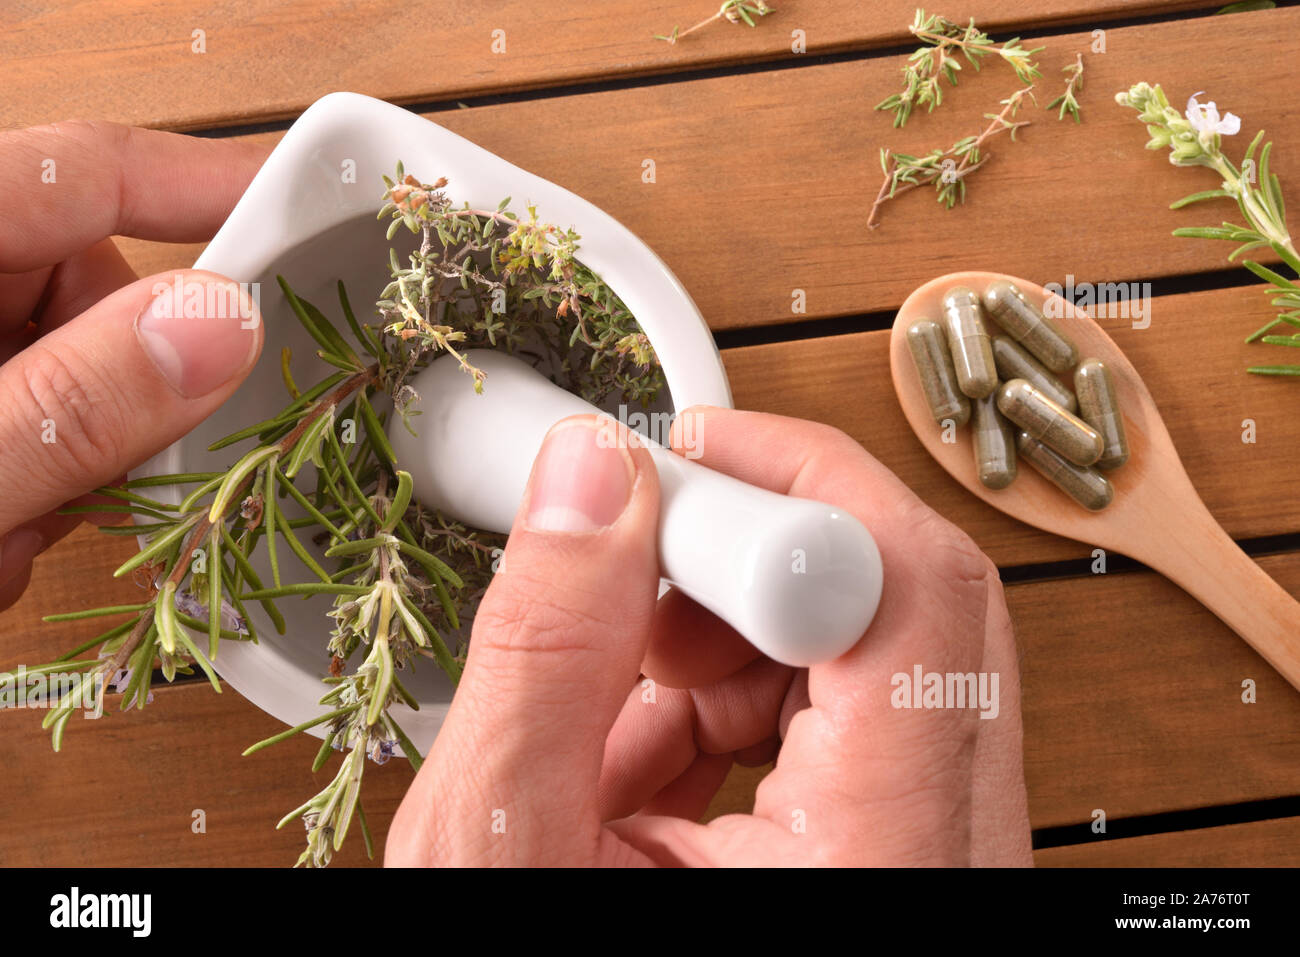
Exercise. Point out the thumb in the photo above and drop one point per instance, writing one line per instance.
(557, 643)
(123, 380)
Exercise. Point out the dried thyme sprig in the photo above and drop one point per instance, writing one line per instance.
(946, 168)
(407, 579)
(733, 11)
(1073, 84)
(489, 258)
(938, 59)
(1196, 139)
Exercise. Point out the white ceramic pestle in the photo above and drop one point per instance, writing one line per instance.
(799, 579)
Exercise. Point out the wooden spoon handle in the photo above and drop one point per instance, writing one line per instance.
(1213, 569)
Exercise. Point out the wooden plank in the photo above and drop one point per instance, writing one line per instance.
(1133, 700)
(736, 796)
(1132, 704)
(781, 208)
(74, 574)
(267, 59)
(124, 790)
(1273, 843)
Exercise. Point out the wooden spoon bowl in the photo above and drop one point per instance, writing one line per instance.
(1156, 515)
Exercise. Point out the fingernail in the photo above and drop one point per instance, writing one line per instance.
(199, 332)
(581, 483)
(19, 548)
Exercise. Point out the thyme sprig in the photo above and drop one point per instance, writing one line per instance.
(1073, 84)
(947, 168)
(1195, 138)
(733, 11)
(405, 579)
(938, 59)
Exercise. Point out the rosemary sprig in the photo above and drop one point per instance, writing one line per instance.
(946, 168)
(407, 578)
(938, 59)
(1074, 83)
(733, 11)
(1196, 139)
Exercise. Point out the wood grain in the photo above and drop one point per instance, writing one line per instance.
(1191, 358)
(124, 789)
(267, 59)
(1132, 704)
(1133, 700)
(1120, 713)
(1132, 696)
(782, 207)
(1274, 843)
(845, 381)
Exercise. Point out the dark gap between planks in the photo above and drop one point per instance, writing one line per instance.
(778, 61)
(1230, 277)
(1227, 278)
(1166, 822)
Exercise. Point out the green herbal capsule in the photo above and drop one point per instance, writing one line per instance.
(968, 340)
(995, 444)
(1026, 324)
(1099, 407)
(1086, 486)
(1013, 362)
(1046, 421)
(938, 378)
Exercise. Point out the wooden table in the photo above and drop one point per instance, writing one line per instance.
(766, 164)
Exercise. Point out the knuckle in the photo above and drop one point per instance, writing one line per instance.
(833, 441)
(950, 553)
(82, 409)
(99, 135)
(530, 616)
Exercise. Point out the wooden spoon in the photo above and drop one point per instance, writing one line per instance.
(1156, 516)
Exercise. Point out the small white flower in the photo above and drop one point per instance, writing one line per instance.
(1205, 119)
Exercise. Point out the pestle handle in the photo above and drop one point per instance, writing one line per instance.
(799, 579)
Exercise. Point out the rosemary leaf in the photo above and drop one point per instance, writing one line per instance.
(375, 431)
(97, 612)
(165, 616)
(251, 576)
(103, 639)
(299, 728)
(408, 749)
(129, 509)
(314, 513)
(157, 546)
(323, 755)
(308, 321)
(215, 563)
(180, 478)
(297, 547)
(270, 511)
(366, 836)
(306, 588)
(428, 560)
(401, 499)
